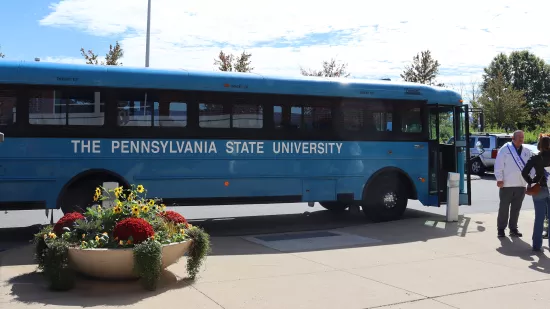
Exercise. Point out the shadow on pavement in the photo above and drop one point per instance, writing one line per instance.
(31, 287)
(517, 247)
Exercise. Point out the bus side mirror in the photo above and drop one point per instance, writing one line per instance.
(1, 137)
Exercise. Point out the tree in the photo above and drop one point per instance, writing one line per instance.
(331, 68)
(424, 69)
(111, 58)
(230, 63)
(502, 104)
(526, 72)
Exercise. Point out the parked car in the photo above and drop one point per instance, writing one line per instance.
(483, 150)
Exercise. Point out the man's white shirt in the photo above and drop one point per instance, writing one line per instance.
(506, 165)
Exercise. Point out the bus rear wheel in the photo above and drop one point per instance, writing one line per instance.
(335, 207)
(386, 199)
(80, 195)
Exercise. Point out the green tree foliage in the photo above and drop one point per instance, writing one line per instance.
(503, 106)
(424, 69)
(331, 68)
(528, 73)
(111, 58)
(232, 63)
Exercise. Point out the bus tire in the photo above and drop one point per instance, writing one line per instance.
(386, 198)
(335, 207)
(79, 194)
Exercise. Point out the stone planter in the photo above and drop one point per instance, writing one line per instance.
(119, 263)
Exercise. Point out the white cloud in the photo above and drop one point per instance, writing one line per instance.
(381, 37)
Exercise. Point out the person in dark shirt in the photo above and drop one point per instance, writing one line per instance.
(541, 199)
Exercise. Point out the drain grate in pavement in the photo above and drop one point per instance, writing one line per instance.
(310, 241)
(305, 235)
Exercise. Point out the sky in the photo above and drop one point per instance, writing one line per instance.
(377, 39)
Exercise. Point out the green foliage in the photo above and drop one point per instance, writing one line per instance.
(52, 256)
(111, 58)
(148, 263)
(503, 106)
(230, 63)
(200, 248)
(331, 68)
(528, 73)
(424, 69)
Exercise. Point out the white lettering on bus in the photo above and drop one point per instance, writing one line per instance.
(231, 147)
(86, 146)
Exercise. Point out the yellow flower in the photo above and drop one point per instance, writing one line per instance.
(98, 208)
(151, 202)
(182, 231)
(140, 189)
(52, 235)
(118, 191)
(96, 197)
(135, 210)
(121, 243)
(145, 208)
(131, 196)
(96, 238)
(105, 233)
(162, 207)
(98, 191)
(83, 236)
(117, 209)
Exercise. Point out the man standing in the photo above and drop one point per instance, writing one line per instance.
(511, 159)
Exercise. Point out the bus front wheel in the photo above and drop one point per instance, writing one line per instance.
(335, 207)
(386, 199)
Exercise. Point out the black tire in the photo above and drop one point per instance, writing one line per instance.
(377, 207)
(335, 207)
(80, 195)
(477, 167)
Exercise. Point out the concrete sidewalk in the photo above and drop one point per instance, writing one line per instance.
(415, 263)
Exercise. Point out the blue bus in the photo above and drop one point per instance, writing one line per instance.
(219, 138)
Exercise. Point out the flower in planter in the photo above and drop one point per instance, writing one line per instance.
(135, 221)
(136, 229)
(67, 220)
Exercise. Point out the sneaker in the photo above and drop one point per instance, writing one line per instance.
(515, 233)
(501, 233)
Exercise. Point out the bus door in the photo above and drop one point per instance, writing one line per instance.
(449, 151)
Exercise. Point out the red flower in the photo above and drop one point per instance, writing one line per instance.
(138, 228)
(67, 221)
(172, 216)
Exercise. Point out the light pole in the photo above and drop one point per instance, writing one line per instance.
(148, 39)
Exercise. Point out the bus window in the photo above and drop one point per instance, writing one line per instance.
(8, 101)
(411, 120)
(65, 107)
(213, 116)
(247, 116)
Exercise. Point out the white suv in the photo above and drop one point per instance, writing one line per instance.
(481, 161)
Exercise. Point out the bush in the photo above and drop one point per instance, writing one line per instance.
(137, 230)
